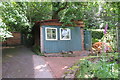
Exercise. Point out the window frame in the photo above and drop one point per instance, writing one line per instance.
(47, 33)
(69, 34)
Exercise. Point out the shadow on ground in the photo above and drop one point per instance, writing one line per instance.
(20, 62)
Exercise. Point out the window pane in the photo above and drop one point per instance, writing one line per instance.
(48, 30)
(48, 36)
(54, 36)
(51, 33)
(65, 34)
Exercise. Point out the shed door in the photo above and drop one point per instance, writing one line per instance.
(87, 40)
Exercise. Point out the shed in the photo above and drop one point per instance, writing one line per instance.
(52, 37)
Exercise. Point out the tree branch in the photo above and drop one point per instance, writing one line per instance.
(62, 8)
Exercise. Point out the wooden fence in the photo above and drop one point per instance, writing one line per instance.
(15, 40)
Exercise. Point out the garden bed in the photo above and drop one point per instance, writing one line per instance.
(68, 54)
(95, 67)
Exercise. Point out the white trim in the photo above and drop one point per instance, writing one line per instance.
(46, 33)
(69, 34)
(41, 39)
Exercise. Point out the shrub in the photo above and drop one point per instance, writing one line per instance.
(95, 37)
(106, 67)
(36, 49)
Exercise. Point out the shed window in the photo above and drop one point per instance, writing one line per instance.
(51, 33)
(65, 34)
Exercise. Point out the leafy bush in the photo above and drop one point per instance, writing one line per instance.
(96, 33)
(94, 40)
(106, 67)
(96, 36)
(111, 39)
(4, 34)
(36, 49)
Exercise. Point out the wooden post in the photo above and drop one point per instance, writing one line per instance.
(41, 39)
(118, 38)
(82, 37)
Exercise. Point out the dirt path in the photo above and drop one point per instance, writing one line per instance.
(20, 62)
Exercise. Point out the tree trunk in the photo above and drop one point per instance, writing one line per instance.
(55, 15)
(56, 8)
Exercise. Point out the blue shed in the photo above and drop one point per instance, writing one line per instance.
(53, 38)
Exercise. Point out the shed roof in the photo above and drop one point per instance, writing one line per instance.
(56, 22)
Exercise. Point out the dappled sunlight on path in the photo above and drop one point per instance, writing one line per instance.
(58, 65)
(21, 62)
(41, 68)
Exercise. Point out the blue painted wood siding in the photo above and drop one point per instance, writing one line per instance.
(56, 46)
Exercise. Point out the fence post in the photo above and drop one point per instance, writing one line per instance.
(82, 37)
(118, 38)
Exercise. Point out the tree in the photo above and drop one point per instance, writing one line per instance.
(20, 16)
(93, 13)
(13, 15)
(4, 33)
(57, 7)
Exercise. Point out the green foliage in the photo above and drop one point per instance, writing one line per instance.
(118, 44)
(13, 15)
(94, 40)
(110, 38)
(28, 41)
(4, 33)
(94, 14)
(20, 16)
(36, 49)
(74, 67)
(105, 67)
(96, 36)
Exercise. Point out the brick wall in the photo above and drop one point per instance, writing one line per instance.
(15, 40)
